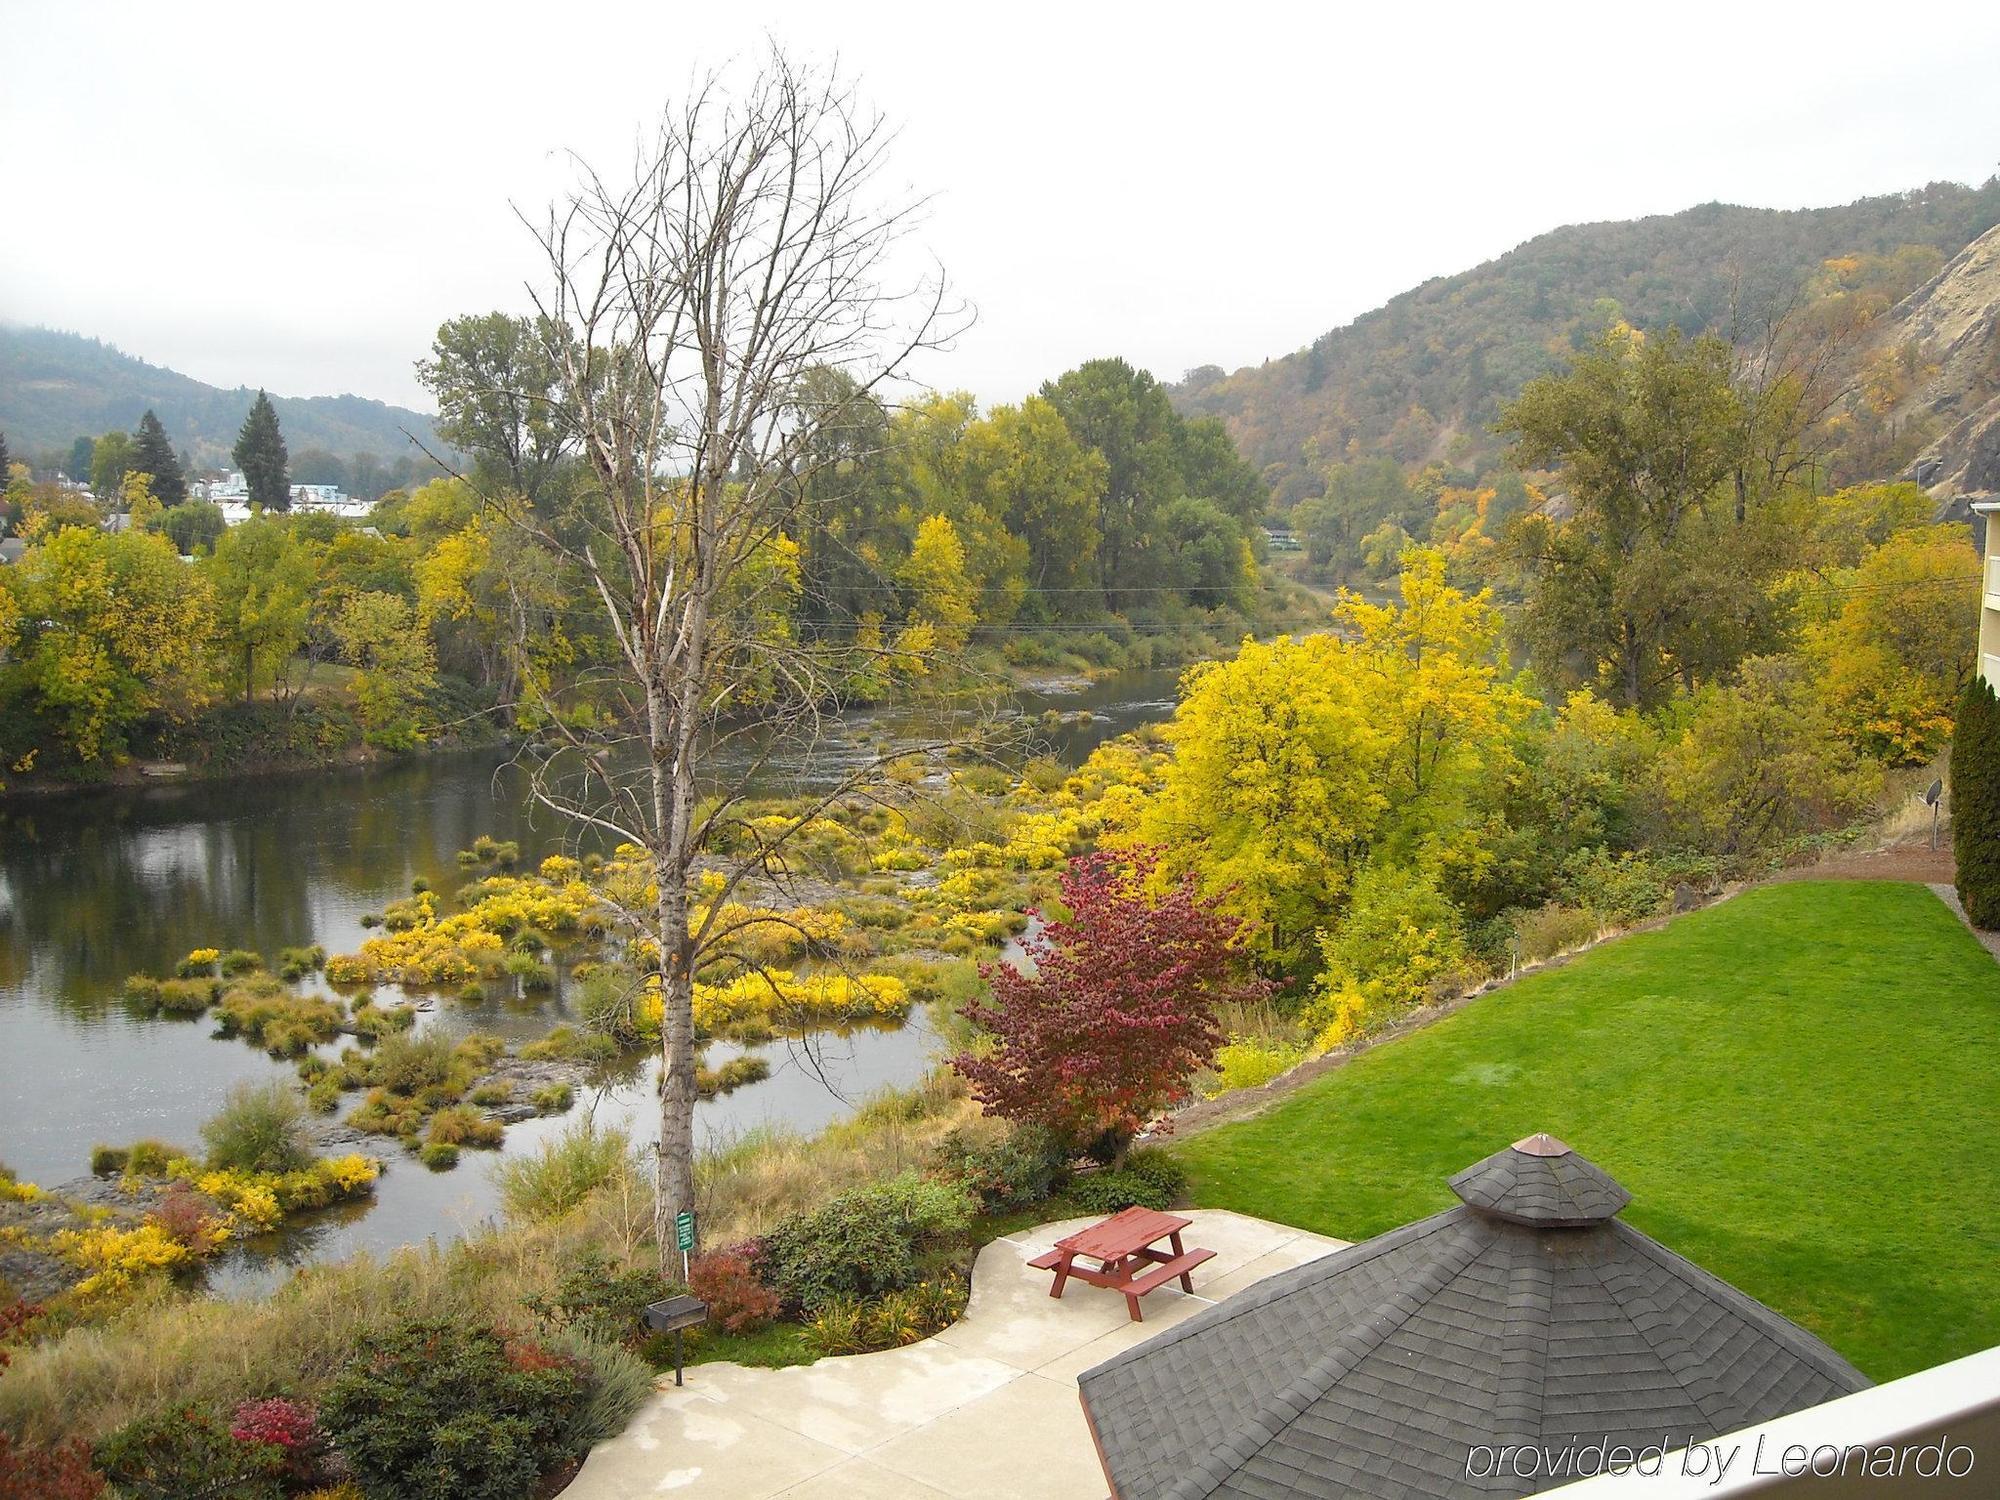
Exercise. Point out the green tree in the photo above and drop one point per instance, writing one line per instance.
(379, 635)
(495, 379)
(6, 463)
(260, 454)
(80, 453)
(1760, 764)
(110, 460)
(262, 577)
(153, 454)
(113, 626)
(1645, 583)
(1124, 414)
(1975, 803)
(1025, 467)
(193, 528)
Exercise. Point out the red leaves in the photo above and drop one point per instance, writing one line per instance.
(1121, 1008)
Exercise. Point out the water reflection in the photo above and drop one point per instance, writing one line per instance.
(97, 886)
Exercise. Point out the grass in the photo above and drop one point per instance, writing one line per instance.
(1796, 1086)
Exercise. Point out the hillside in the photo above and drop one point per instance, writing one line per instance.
(56, 387)
(1953, 322)
(1424, 375)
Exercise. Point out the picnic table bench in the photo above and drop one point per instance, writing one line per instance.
(1129, 1260)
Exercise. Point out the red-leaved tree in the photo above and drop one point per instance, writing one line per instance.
(1119, 1010)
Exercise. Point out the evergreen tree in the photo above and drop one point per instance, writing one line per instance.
(80, 454)
(1975, 803)
(5, 462)
(153, 454)
(260, 454)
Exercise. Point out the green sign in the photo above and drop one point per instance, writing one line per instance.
(684, 1230)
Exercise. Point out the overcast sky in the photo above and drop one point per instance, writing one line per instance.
(296, 195)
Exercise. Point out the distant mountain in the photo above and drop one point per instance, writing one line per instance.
(1423, 377)
(57, 387)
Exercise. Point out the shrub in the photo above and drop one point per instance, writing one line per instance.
(847, 1325)
(187, 1218)
(190, 1453)
(737, 1301)
(261, 1128)
(108, 1161)
(150, 1158)
(601, 1300)
(64, 1473)
(838, 1326)
(553, 1098)
(862, 1243)
(199, 963)
(489, 1094)
(620, 1382)
(439, 1156)
(462, 1125)
(1108, 1191)
(1555, 929)
(430, 1410)
(1975, 803)
(751, 1067)
(1250, 1062)
(1151, 1164)
(239, 961)
(1012, 1171)
(564, 1172)
(296, 963)
(283, 1024)
(289, 1426)
(184, 997)
(143, 992)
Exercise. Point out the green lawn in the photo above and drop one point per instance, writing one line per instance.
(1800, 1088)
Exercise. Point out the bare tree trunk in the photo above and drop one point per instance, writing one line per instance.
(686, 313)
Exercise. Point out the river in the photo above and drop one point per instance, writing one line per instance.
(97, 886)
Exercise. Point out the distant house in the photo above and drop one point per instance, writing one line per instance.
(232, 495)
(1528, 1316)
(11, 550)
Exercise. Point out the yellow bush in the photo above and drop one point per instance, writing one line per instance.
(113, 1257)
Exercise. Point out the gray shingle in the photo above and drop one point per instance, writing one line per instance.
(1527, 1315)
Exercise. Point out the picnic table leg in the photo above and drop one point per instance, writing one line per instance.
(1132, 1304)
(1187, 1280)
(1062, 1275)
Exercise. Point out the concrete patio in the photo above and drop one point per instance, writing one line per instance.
(987, 1410)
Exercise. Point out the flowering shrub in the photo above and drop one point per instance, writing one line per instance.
(781, 997)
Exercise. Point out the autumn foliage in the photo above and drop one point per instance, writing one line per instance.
(1120, 1008)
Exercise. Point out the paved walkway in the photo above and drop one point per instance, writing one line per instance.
(987, 1410)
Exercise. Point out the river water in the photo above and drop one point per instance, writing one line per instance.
(97, 886)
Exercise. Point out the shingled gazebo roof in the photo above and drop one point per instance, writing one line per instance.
(1528, 1315)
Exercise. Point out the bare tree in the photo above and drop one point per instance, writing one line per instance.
(690, 313)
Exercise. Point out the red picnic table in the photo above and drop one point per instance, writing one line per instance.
(1128, 1260)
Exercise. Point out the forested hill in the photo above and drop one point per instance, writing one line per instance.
(1423, 377)
(56, 387)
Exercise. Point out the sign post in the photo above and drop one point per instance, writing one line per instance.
(684, 1237)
